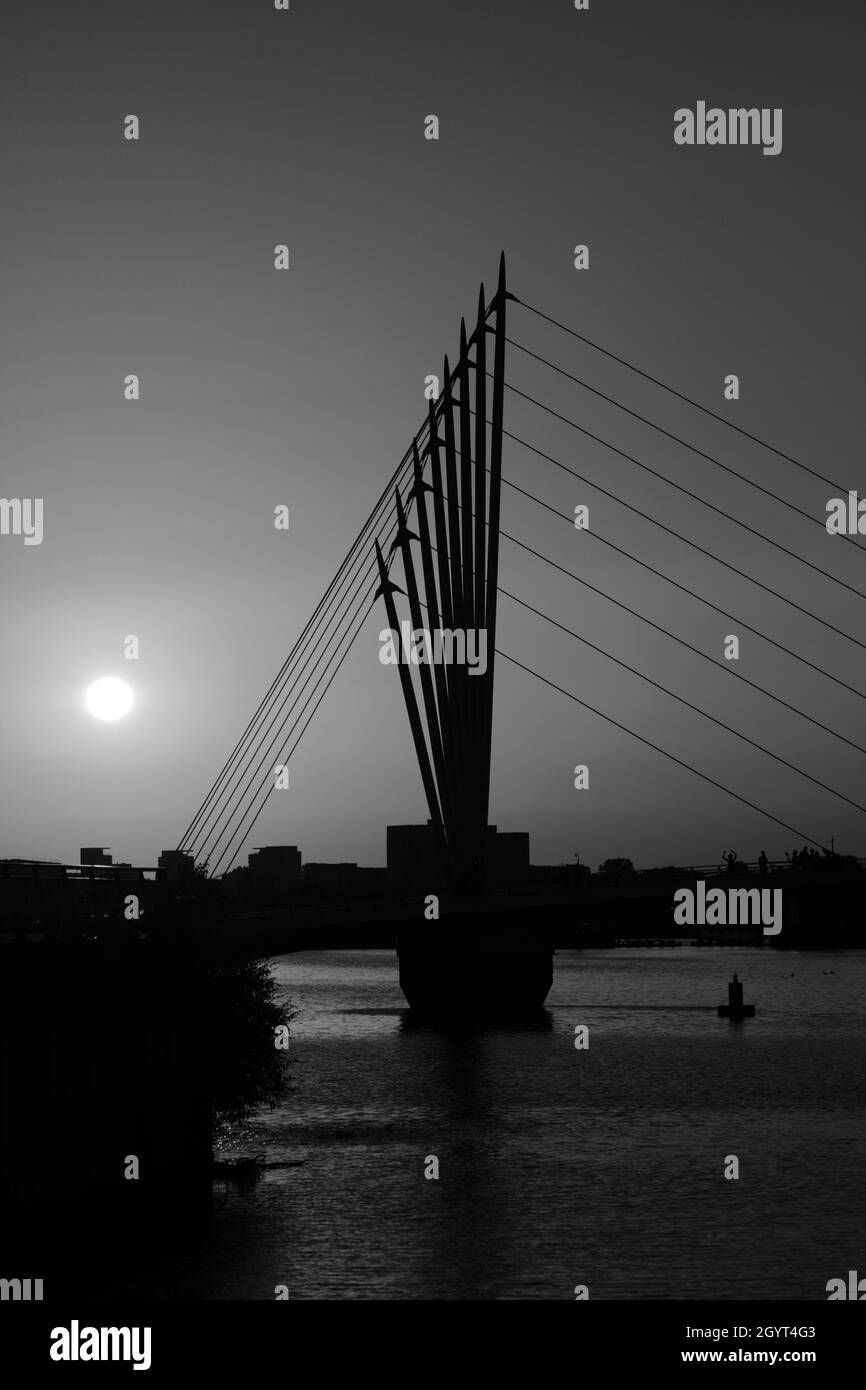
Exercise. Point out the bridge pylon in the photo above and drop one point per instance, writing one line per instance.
(451, 585)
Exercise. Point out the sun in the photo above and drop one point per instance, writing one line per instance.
(108, 698)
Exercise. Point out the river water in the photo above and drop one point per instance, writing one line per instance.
(558, 1167)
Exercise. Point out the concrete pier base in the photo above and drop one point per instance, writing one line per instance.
(471, 971)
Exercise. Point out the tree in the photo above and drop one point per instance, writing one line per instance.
(616, 868)
(245, 1068)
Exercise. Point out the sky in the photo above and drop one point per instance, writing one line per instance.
(304, 387)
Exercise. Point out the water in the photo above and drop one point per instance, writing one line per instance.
(559, 1167)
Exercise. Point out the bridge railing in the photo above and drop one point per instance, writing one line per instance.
(819, 864)
(55, 897)
(30, 869)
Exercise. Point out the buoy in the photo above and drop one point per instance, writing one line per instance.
(735, 1008)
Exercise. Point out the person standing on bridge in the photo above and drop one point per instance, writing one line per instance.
(763, 863)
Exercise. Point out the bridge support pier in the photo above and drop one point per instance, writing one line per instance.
(475, 971)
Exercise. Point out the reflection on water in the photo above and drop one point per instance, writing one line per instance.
(557, 1166)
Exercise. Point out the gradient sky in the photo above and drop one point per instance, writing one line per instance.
(304, 388)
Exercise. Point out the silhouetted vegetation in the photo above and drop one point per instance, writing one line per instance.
(239, 1012)
(616, 869)
(245, 1069)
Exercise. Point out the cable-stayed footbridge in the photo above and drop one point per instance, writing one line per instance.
(439, 516)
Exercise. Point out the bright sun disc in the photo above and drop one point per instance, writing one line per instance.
(108, 698)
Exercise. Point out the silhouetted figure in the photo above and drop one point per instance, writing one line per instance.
(763, 863)
(730, 859)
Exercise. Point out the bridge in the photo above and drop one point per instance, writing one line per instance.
(103, 1009)
(448, 486)
(598, 913)
(438, 518)
(65, 903)
(436, 527)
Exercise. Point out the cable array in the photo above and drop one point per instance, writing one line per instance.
(240, 791)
